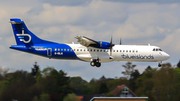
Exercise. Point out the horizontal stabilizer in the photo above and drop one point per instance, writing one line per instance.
(16, 21)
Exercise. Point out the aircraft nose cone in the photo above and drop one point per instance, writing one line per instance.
(167, 56)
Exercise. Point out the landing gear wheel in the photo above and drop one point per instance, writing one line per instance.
(159, 65)
(98, 64)
(92, 63)
(95, 62)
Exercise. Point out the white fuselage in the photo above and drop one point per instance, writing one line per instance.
(143, 53)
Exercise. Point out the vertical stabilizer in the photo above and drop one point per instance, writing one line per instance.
(22, 35)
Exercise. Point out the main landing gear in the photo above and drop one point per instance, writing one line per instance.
(95, 62)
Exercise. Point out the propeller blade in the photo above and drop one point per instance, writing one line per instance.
(111, 44)
(110, 47)
(111, 40)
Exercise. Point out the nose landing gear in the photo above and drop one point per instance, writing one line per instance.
(159, 65)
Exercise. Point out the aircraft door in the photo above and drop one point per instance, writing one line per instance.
(49, 52)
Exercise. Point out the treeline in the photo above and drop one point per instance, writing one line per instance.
(159, 84)
(46, 85)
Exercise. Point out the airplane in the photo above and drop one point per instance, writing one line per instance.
(89, 50)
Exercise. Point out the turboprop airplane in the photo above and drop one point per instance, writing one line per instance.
(89, 50)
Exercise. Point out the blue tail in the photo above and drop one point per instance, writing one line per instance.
(22, 35)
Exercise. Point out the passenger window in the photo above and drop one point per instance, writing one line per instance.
(104, 50)
(55, 49)
(67, 49)
(136, 51)
(120, 51)
(130, 51)
(98, 50)
(126, 50)
(64, 49)
(81, 49)
(113, 50)
(77, 49)
(84, 49)
(94, 50)
(123, 50)
(117, 50)
(71, 49)
(91, 50)
(61, 49)
(156, 49)
(58, 49)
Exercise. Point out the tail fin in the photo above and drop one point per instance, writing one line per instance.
(22, 35)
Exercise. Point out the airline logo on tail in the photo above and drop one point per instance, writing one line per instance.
(22, 37)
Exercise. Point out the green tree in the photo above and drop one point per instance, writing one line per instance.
(178, 71)
(144, 84)
(103, 88)
(17, 86)
(44, 97)
(178, 64)
(35, 98)
(55, 83)
(132, 80)
(71, 97)
(79, 85)
(129, 69)
(35, 69)
(166, 84)
(91, 86)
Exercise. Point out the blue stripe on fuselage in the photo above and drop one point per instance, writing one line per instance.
(57, 51)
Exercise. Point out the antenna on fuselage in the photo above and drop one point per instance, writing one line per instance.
(120, 43)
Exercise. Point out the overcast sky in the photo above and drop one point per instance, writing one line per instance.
(134, 21)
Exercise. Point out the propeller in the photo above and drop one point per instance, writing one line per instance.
(110, 47)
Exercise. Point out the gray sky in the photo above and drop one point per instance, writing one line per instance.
(136, 22)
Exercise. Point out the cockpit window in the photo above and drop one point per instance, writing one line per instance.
(157, 49)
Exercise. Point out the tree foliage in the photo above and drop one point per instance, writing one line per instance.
(166, 85)
(48, 84)
(71, 97)
(79, 85)
(158, 84)
(129, 69)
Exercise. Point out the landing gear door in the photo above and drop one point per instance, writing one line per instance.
(49, 52)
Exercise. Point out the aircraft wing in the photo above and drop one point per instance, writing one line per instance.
(87, 41)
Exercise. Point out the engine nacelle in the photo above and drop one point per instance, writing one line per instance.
(102, 44)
